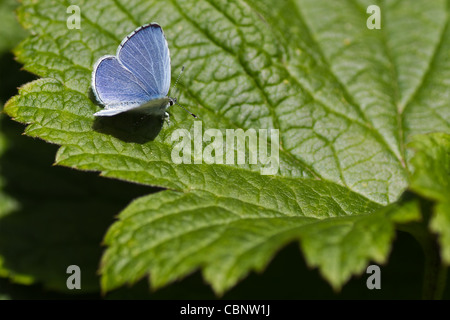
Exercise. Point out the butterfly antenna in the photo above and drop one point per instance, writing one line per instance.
(186, 110)
(174, 87)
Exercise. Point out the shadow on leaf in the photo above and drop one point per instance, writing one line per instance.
(128, 126)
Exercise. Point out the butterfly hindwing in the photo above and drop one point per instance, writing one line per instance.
(114, 85)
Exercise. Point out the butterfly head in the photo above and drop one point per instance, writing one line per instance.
(172, 101)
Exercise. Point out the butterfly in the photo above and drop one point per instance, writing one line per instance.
(138, 77)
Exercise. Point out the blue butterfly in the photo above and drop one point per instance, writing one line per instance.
(138, 77)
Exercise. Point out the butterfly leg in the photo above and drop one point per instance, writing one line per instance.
(166, 118)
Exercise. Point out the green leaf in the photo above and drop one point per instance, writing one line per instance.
(431, 180)
(441, 224)
(172, 233)
(11, 32)
(346, 100)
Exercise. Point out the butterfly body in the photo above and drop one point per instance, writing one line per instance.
(137, 78)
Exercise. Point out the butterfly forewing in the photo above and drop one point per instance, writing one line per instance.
(149, 63)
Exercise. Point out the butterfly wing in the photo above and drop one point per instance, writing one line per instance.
(146, 54)
(116, 87)
(139, 73)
